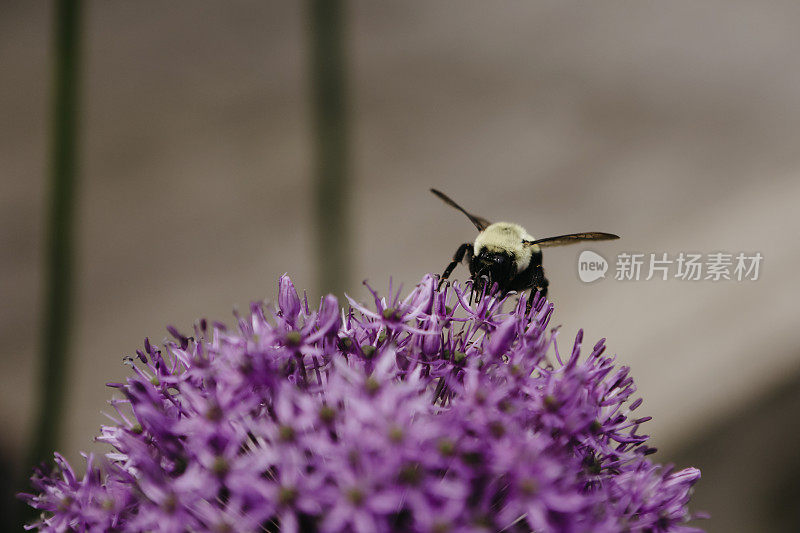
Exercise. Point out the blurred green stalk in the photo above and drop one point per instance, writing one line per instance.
(58, 290)
(330, 131)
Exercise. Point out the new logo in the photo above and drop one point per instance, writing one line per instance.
(591, 266)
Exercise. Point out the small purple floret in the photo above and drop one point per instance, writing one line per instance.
(424, 413)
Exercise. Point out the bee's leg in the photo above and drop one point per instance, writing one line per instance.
(482, 291)
(464, 249)
(539, 284)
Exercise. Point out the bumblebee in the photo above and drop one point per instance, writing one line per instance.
(507, 255)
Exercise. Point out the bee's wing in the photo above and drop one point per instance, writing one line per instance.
(480, 223)
(572, 238)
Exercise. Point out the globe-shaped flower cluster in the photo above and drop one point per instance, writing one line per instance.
(429, 413)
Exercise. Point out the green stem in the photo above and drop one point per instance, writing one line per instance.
(329, 110)
(58, 288)
(56, 319)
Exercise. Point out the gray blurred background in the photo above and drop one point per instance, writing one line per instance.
(674, 124)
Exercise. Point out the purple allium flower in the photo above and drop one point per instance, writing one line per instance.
(418, 414)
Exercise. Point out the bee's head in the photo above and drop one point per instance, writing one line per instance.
(493, 267)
